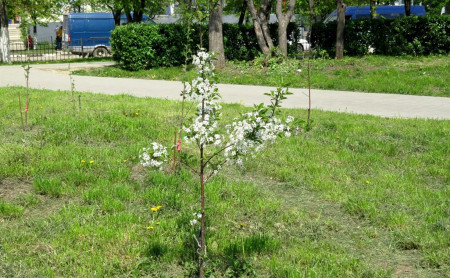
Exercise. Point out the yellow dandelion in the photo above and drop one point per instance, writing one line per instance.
(150, 228)
(338, 137)
(91, 162)
(124, 160)
(242, 224)
(137, 114)
(159, 207)
(367, 181)
(83, 161)
(157, 223)
(154, 209)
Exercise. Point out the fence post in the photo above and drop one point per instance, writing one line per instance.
(82, 50)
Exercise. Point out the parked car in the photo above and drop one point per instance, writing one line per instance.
(90, 33)
(303, 45)
(353, 12)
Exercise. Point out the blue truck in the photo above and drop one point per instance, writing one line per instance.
(353, 12)
(89, 33)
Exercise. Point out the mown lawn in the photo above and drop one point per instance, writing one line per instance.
(356, 196)
(428, 76)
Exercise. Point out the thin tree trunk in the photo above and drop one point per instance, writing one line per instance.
(243, 10)
(202, 193)
(407, 7)
(340, 29)
(4, 34)
(312, 12)
(373, 6)
(283, 21)
(216, 34)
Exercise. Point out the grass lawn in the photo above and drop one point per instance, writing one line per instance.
(356, 196)
(428, 76)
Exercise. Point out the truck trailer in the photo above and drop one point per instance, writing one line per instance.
(90, 33)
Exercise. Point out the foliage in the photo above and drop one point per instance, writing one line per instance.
(135, 45)
(401, 36)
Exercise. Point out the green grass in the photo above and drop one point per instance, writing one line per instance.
(428, 76)
(356, 196)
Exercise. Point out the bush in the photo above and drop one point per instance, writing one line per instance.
(142, 46)
(402, 36)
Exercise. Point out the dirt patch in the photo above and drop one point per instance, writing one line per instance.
(138, 173)
(10, 189)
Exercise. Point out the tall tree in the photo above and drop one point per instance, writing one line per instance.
(407, 7)
(340, 29)
(373, 6)
(33, 12)
(4, 34)
(284, 12)
(243, 11)
(260, 24)
(116, 8)
(216, 32)
(312, 12)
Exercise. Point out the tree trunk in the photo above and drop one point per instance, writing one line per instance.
(257, 25)
(340, 29)
(216, 33)
(243, 10)
(312, 12)
(407, 7)
(283, 21)
(373, 6)
(264, 14)
(4, 34)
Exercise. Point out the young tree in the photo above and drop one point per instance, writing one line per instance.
(4, 34)
(284, 15)
(340, 29)
(216, 32)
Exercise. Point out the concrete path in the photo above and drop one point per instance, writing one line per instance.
(55, 77)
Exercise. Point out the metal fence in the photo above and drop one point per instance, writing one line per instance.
(40, 51)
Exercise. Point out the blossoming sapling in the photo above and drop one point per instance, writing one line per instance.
(244, 136)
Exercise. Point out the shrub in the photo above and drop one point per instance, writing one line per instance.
(402, 36)
(143, 46)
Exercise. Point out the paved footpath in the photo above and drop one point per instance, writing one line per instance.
(55, 77)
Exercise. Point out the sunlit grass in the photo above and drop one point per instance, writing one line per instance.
(357, 196)
(428, 76)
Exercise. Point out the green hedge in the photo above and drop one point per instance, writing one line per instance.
(143, 46)
(402, 36)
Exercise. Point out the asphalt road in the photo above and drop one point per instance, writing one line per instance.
(56, 77)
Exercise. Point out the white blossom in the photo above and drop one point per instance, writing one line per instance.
(153, 157)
